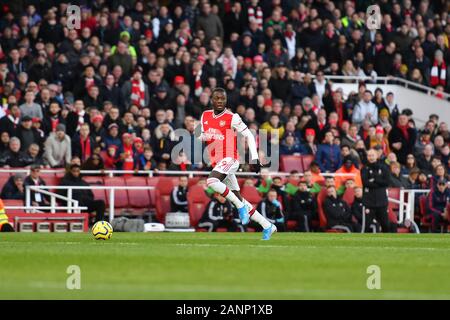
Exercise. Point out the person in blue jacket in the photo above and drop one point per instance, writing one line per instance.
(329, 154)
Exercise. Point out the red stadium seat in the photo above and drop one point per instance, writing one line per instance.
(139, 199)
(96, 181)
(13, 203)
(197, 202)
(322, 216)
(289, 163)
(162, 196)
(120, 195)
(349, 196)
(306, 161)
(251, 194)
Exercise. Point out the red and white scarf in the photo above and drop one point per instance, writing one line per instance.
(438, 74)
(85, 148)
(80, 118)
(198, 84)
(138, 93)
(255, 13)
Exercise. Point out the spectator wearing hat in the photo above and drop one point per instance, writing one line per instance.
(111, 157)
(348, 170)
(112, 137)
(13, 157)
(83, 143)
(135, 91)
(328, 154)
(378, 139)
(27, 134)
(13, 188)
(97, 130)
(162, 99)
(310, 147)
(58, 151)
(437, 204)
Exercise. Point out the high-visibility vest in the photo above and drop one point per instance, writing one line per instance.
(3, 216)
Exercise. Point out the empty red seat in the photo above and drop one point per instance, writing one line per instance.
(138, 198)
(306, 161)
(197, 202)
(251, 194)
(349, 196)
(289, 163)
(99, 194)
(13, 203)
(120, 195)
(162, 196)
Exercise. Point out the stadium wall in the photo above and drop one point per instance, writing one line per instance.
(420, 103)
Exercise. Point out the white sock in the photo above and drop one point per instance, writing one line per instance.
(256, 216)
(221, 188)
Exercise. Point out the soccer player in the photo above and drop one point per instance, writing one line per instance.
(219, 127)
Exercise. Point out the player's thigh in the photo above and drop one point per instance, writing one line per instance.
(227, 166)
(231, 182)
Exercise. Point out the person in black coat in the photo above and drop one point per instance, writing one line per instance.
(220, 214)
(10, 123)
(13, 188)
(303, 207)
(178, 197)
(28, 135)
(271, 209)
(13, 157)
(338, 212)
(375, 178)
(85, 197)
(402, 139)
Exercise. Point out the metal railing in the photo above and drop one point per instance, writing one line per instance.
(157, 173)
(69, 198)
(389, 80)
(71, 203)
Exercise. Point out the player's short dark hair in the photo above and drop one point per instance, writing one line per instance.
(218, 90)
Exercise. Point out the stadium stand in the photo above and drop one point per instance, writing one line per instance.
(134, 66)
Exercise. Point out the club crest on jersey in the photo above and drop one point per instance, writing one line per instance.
(222, 123)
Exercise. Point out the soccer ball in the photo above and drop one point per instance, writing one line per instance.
(102, 230)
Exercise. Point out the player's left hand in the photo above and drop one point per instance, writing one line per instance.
(257, 167)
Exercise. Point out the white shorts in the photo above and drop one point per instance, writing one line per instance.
(229, 166)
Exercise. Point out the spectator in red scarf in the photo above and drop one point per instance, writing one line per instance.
(83, 143)
(135, 91)
(111, 157)
(438, 74)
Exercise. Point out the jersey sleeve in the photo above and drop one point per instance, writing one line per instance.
(237, 123)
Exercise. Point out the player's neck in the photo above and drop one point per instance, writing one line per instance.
(217, 112)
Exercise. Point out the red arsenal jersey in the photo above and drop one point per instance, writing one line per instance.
(219, 132)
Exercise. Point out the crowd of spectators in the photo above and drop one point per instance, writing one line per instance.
(110, 94)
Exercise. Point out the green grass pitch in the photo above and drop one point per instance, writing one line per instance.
(225, 266)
